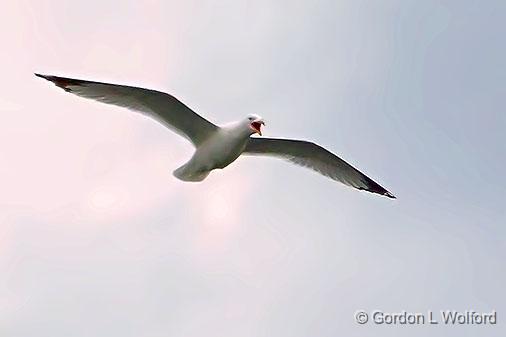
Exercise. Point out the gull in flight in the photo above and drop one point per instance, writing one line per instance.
(216, 147)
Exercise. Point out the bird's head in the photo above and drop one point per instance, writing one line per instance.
(254, 123)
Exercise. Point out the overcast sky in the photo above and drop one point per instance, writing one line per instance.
(97, 238)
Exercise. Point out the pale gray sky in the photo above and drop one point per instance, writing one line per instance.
(97, 238)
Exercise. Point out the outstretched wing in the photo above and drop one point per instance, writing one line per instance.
(315, 157)
(161, 106)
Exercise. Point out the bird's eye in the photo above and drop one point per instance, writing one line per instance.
(250, 118)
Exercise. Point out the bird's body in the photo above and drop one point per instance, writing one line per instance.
(217, 147)
(222, 148)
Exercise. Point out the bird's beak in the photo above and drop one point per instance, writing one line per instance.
(256, 125)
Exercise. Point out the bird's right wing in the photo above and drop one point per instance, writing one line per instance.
(163, 107)
(315, 157)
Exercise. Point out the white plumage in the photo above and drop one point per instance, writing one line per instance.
(217, 147)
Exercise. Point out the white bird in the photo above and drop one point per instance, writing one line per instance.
(217, 147)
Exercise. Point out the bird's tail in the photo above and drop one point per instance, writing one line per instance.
(184, 173)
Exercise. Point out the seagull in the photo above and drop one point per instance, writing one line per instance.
(216, 147)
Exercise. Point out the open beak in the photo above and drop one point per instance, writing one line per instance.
(256, 125)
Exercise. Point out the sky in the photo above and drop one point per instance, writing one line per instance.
(97, 238)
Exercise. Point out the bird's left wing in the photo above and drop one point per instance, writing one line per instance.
(313, 156)
(161, 106)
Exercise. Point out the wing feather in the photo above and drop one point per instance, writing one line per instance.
(161, 106)
(315, 157)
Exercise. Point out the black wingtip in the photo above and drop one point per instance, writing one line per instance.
(41, 76)
(374, 187)
(62, 82)
(390, 195)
